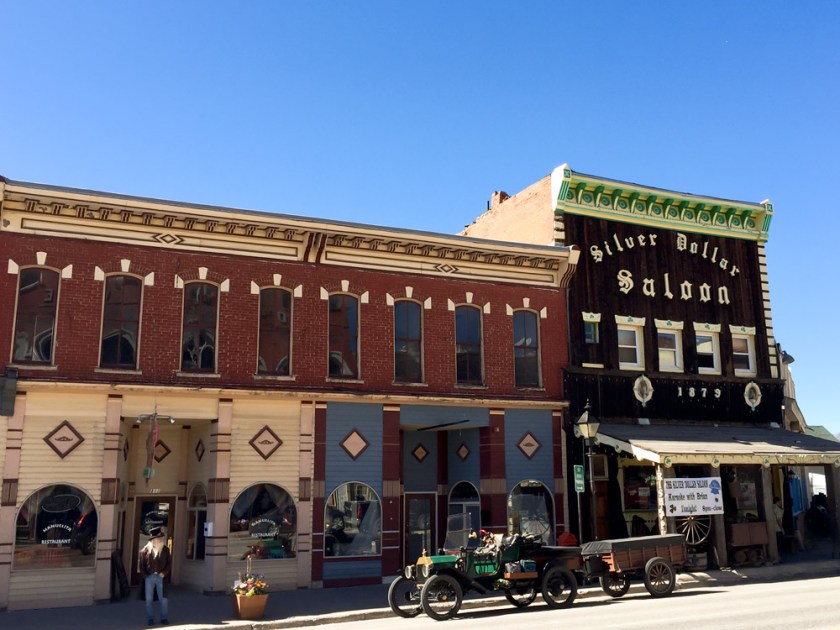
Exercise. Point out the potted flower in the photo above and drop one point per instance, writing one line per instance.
(250, 594)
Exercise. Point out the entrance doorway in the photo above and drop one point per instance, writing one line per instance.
(420, 531)
(150, 512)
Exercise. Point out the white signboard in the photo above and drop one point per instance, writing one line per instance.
(693, 496)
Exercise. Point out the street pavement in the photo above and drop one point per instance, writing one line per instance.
(190, 610)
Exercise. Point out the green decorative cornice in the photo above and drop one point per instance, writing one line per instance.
(598, 197)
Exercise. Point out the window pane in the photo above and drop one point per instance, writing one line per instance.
(275, 331)
(343, 336)
(590, 332)
(198, 351)
(263, 520)
(530, 511)
(407, 342)
(627, 355)
(468, 344)
(121, 322)
(35, 318)
(352, 522)
(740, 345)
(667, 341)
(526, 349)
(626, 337)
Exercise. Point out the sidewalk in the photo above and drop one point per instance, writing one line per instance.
(189, 610)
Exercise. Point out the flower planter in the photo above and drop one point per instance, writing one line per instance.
(249, 607)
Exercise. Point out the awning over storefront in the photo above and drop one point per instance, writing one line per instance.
(717, 445)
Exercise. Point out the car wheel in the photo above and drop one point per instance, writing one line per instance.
(615, 584)
(559, 587)
(404, 597)
(521, 596)
(441, 597)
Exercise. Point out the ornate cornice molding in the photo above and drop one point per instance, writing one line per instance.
(588, 195)
(71, 213)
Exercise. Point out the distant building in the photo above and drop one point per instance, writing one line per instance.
(672, 344)
(318, 394)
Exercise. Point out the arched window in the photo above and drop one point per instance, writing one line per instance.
(531, 510)
(37, 304)
(344, 336)
(408, 342)
(468, 345)
(56, 527)
(121, 322)
(197, 518)
(263, 523)
(464, 499)
(352, 521)
(526, 349)
(275, 331)
(198, 343)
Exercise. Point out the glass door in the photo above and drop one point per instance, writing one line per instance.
(150, 512)
(420, 531)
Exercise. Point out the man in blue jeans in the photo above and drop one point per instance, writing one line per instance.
(155, 565)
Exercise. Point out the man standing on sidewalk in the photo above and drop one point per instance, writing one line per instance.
(155, 565)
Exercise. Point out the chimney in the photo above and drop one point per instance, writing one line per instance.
(498, 197)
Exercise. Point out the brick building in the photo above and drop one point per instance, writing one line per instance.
(321, 395)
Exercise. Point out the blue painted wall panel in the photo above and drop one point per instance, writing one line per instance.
(421, 415)
(342, 418)
(420, 476)
(518, 422)
(361, 568)
(469, 469)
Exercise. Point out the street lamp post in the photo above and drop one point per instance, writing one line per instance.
(588, 426)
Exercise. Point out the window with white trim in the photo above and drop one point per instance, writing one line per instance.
(743, 350)
(707, 347)
(669, 345)
(631, 353)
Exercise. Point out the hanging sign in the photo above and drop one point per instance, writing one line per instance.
(693, 496)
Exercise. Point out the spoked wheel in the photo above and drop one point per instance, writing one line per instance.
(404, 597)
(559, 587)
(521, 596)
(659, 577)
(615, 584)
(695, 528)
(441, 597)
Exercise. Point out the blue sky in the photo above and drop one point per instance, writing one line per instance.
(410, 114)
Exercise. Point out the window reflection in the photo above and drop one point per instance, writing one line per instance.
(530, 511)
(263, 523)
(352, 521)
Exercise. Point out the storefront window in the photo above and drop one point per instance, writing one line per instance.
(464, 499)
(530, 511)
(263, 523)
(352, 521)
(639, 488)
(56, 527)
(197, 519)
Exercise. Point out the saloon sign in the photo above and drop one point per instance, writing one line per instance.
(693, 496)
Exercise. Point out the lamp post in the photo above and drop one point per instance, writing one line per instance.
(587, 426)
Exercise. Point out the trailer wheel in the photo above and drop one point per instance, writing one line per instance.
(521, 596)
(404, 597)
(659, 577)
(441, 597)
(615, 584)
(559, 587)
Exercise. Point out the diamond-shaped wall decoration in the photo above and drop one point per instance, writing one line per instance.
(199, 450)
(266, 442)
(354, 444)
(463, 452)
(161, 451)
(529, 445)
(64, 439)
(420, 453)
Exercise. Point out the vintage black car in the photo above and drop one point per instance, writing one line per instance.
(520, 566)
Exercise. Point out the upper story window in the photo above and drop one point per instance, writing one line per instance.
(743, 350)
(198, 345)
(37, 305)
(591, 353)
(669, 345)
(631, 352)
(408, 342)
(121, 322)
(707, 345)
(526, 349)
(275, 332)
(344, 336)
(468, 357)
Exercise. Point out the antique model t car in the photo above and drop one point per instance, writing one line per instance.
(520, 566)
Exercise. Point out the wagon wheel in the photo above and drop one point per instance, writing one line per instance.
(441, 597)
(695, 528)
(521, 596)
(559, 587)
(404, 597)
(659, 577)
(615, 584)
